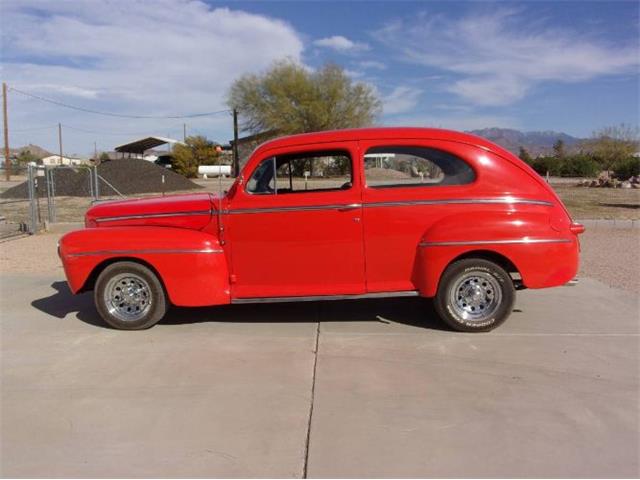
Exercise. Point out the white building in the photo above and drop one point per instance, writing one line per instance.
(53, 160)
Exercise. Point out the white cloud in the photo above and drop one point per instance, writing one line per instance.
(402, 99)
(372, 64)
(178, 56)
(501, 56)
(341, 44)
(354, 74)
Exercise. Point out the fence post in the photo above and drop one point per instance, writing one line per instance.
(33, 227)
(90, 178)
(48, 183)
(95, 176)
(53, 195)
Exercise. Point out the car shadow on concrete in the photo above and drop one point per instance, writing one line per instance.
(63, 303)
(418, 312)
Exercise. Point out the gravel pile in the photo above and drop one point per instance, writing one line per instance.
(128, 176)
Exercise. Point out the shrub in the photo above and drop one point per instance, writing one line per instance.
(542, 165)
(624, 169)
(579, 165)
(576, 165)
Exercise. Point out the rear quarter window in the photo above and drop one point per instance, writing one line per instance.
(406, 166)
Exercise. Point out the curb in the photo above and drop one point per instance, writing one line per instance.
(603, 223)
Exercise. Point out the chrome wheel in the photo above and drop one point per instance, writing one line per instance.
(475, 296)
(127, 297)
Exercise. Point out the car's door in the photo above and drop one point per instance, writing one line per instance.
(298, 232)
(408, 185)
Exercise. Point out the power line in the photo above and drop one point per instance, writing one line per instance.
(95, 132)
(118, 115)
(20, 130)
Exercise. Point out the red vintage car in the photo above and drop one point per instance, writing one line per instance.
(349, 214)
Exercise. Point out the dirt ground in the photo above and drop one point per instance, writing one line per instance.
(611, 255)
(608, 203)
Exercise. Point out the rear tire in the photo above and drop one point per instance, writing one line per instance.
(129, 296)
(475, 295)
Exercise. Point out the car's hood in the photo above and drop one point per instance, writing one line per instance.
(185, 211)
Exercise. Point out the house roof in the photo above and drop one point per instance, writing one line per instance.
(143, 144)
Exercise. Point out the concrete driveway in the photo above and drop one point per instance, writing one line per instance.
(240, 392)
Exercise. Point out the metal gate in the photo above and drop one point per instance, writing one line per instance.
(40, 207)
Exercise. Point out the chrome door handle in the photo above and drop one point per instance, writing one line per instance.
(350, 206)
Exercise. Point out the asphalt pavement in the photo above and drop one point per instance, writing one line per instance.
(368, 388)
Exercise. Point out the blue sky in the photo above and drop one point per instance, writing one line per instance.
(566, 66)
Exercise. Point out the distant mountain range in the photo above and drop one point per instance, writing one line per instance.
(535, 142)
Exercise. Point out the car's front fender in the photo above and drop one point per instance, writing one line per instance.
(191, 264)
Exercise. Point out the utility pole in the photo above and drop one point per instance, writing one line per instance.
(60, 140)
(7, 160)
(236, 159)
(184, 132)
(95, 153)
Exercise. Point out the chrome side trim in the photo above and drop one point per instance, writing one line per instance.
(358, 296)
(400, 203)
(347, 206)
(154, 215)
(462, 201)
(495, 242)
(145, 251)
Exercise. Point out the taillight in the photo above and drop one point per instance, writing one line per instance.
(576, 228)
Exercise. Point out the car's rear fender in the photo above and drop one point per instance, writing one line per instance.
(525, 241)
(191, 265)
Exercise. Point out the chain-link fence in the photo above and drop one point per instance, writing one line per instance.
(32, 202)
(14, 212)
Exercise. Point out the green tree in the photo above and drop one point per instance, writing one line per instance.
(196, 151)
(525, 156)
(25, 156)
(613, 145)
(103, 157)
(290, 99)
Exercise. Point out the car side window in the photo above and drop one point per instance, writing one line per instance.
(263, 179)
(302, 172)
(402, 166)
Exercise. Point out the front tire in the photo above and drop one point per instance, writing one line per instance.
(129, 296)
(475, 295)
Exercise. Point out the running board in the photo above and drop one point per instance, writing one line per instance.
(360, 296)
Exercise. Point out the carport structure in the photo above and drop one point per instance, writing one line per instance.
(138, 147)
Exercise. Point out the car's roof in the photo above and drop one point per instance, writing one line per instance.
(382, 133)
